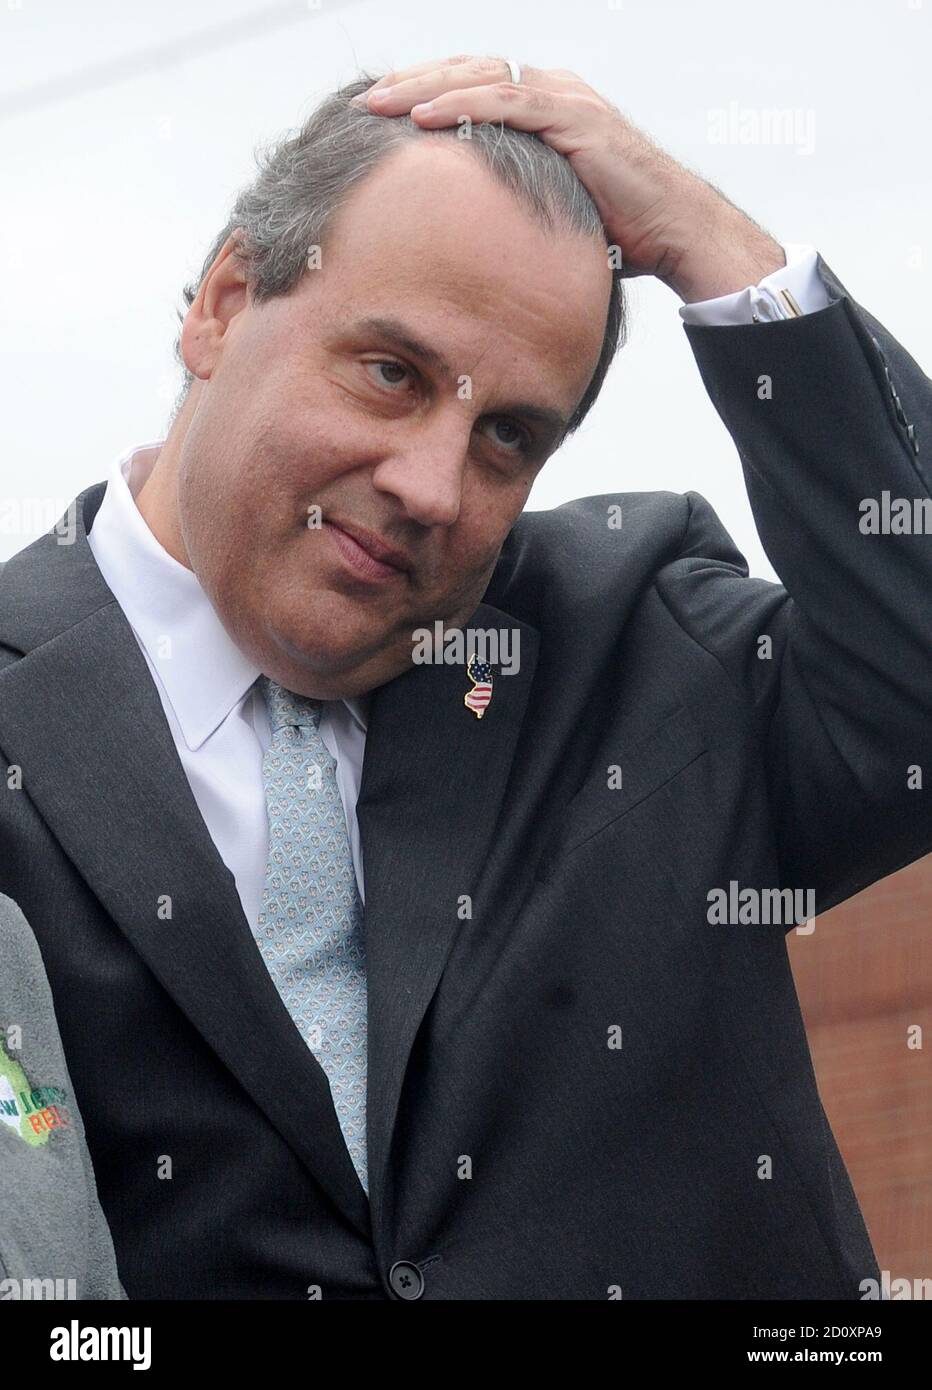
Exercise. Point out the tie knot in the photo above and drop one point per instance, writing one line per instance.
(287, 708)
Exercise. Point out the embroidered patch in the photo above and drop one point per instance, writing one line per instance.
(30, 1113)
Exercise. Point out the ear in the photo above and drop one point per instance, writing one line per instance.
(223, 294)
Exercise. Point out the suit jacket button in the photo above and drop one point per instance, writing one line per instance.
(406, 1280)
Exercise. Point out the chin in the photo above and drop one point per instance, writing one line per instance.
(326, 640)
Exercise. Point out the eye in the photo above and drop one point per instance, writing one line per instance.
(392, 366)
(519, 436)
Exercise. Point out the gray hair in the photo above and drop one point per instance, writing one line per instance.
(304, 180)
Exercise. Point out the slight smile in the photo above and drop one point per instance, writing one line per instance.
(360, 559)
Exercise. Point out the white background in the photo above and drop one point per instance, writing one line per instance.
(126, 129)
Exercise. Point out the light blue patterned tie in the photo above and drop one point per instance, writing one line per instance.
(310, 925)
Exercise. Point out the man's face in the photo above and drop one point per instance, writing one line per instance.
(314, 401)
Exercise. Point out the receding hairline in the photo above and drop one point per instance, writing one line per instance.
(473, 152)
(306, 178)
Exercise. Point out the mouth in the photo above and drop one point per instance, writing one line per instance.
(367, 556)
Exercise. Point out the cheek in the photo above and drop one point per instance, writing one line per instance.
(302, 451)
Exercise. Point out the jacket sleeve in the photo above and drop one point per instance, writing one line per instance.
(832, 420)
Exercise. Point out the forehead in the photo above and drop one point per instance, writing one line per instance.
(430, 236)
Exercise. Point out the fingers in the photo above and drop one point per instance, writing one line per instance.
(424, 81)
(491, 69)
(552, 104)
(398, 97)
(434, 69)
(521, 107)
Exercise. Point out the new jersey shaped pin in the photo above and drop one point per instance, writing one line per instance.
(479, 698)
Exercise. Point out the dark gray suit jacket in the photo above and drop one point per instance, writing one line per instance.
(515, 1150)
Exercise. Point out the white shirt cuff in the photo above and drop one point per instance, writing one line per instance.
(763, 303)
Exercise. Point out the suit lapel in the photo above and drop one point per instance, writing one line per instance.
(80, 714)
(433, 782)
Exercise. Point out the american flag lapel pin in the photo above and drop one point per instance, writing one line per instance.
(480, 673)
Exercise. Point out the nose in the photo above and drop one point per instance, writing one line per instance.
(424, 471)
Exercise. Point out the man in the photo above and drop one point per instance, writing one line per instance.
(396, 1001)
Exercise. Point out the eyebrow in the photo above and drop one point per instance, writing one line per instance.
(398, 333)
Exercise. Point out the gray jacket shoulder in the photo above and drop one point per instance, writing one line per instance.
(54, 1239)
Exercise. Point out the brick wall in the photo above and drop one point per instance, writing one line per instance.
(863, 977)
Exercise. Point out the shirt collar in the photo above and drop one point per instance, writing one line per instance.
(204, 673)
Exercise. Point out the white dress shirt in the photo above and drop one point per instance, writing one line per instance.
(218, 719)
(763, 302)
